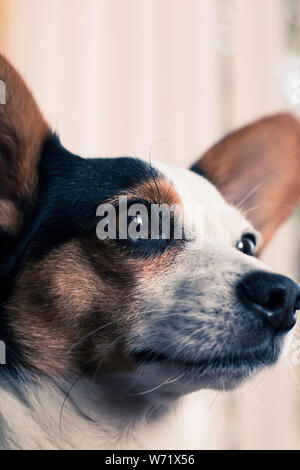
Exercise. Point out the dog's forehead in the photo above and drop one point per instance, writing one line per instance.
(203, 200)
(192, 187)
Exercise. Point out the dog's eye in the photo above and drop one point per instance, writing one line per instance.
(247, 244)
(136, 222)
(133, 227)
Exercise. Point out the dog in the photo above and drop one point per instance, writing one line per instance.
(104, 334)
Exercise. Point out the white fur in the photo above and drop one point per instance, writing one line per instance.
(33, 422)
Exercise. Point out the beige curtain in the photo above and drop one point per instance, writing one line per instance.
(118, 77)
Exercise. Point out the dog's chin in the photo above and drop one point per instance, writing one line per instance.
(172, 377)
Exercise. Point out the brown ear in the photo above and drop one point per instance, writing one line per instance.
(22, 135)
(258, 169)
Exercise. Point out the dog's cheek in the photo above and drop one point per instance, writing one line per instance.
(52, 298)
(68, 312)
(74, 310)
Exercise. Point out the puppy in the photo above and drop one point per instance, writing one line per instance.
(106, 329)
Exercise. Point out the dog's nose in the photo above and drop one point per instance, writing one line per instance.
(272, 296)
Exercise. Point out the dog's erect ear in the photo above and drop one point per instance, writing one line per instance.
(22, 134)
(258, 169)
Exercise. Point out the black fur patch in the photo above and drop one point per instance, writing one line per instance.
(69, 192)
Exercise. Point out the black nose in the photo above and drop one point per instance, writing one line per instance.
(272, 296)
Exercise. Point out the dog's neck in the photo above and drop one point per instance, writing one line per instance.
(48, 416)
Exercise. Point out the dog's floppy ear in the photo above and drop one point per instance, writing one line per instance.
(258, 169)
(22, 135)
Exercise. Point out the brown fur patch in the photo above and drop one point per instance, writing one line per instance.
(75, 308)
(154, 191)
(10, 219)
(23, 132)
(259, 167)
(23, 129)
(157, 191)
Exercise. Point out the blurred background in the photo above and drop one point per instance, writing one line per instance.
(126, 77)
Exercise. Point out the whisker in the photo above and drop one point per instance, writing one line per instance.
(292, 372)
(78, 378)
(152, 170)
(252, 191)
(92, 333)
(201, 417)
(65, 400)
(255, 400)
(15, 299)
(168, 381)
(141, 362)
(113, 343)
(251, 209)
(268, 204)
(150, 163)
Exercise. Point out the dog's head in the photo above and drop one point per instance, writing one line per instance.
(184, 306)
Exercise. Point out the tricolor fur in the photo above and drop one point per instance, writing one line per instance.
(103, 337)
